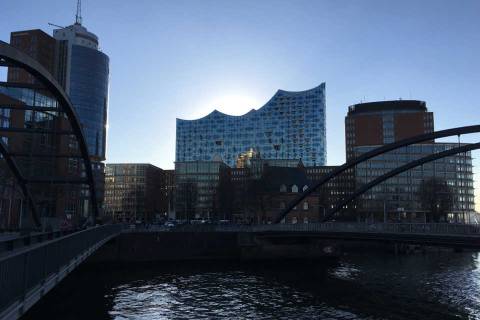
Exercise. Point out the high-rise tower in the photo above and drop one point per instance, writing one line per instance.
(84, 70)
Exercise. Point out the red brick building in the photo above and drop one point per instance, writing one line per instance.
(382, 122)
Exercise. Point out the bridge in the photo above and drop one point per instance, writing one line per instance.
(434, 234)
(29, 272)
(32, 265)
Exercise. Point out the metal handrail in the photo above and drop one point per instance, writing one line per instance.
(23, 270)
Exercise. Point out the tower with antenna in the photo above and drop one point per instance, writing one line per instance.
(83, 71)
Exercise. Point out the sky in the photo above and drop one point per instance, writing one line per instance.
(182, 59)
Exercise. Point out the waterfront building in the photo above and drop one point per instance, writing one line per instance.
(264, 187)
(403, 196)
(31, 130)
(202, 190)
(83, 70)
(291, 125)
(373, 124)
(134, 192)
(74, 58)
(382, 122)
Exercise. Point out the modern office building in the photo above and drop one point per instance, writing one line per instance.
(134, 192)
(382, 122)
(202, 190)
(371, 125)
(31, 130)
(83, 70)
(289, 126)
(405, 193)
(73, 56)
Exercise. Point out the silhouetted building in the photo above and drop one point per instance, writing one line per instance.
(169, 191)
(202, 190)
(134, 192)
(265, 187)
(31, 130)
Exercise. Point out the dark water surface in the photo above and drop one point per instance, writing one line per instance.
(368, 286)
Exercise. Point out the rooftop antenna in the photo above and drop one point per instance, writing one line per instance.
(55, 25)
(78, 16)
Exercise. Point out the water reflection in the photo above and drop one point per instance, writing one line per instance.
(434, 286)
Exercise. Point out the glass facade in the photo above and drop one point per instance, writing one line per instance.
(133, 192)
(38, 137)
(197, 189)
(88, 92)
(403, 191)
(292, 125)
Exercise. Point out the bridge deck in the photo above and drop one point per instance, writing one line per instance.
(30, 272)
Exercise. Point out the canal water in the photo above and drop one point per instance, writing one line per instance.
(364, 286)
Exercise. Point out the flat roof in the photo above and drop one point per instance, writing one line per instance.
(389, 105)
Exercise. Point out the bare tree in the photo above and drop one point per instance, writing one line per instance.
(436, 198)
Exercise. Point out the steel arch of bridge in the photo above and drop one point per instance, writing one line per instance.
(373, 153)
(394, 172)
(11, 56)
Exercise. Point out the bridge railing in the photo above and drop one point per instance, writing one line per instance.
(25, 269)
(411, 228)
(17, 241)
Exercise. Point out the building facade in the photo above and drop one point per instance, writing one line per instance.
(83, 70)
(382, 122)
(371, 125)
(405, 194)
(73, 57)
(202, 190)
(134, 192)
(31, 129)
(38, 45)
(169, 192)
(292, 125)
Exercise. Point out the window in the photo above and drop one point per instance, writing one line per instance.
(283, 188)
(294, 188)
(305, 205)
(305, 187)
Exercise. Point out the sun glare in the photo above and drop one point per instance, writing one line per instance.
(236, 105)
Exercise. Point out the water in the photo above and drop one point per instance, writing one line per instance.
(370, 286)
